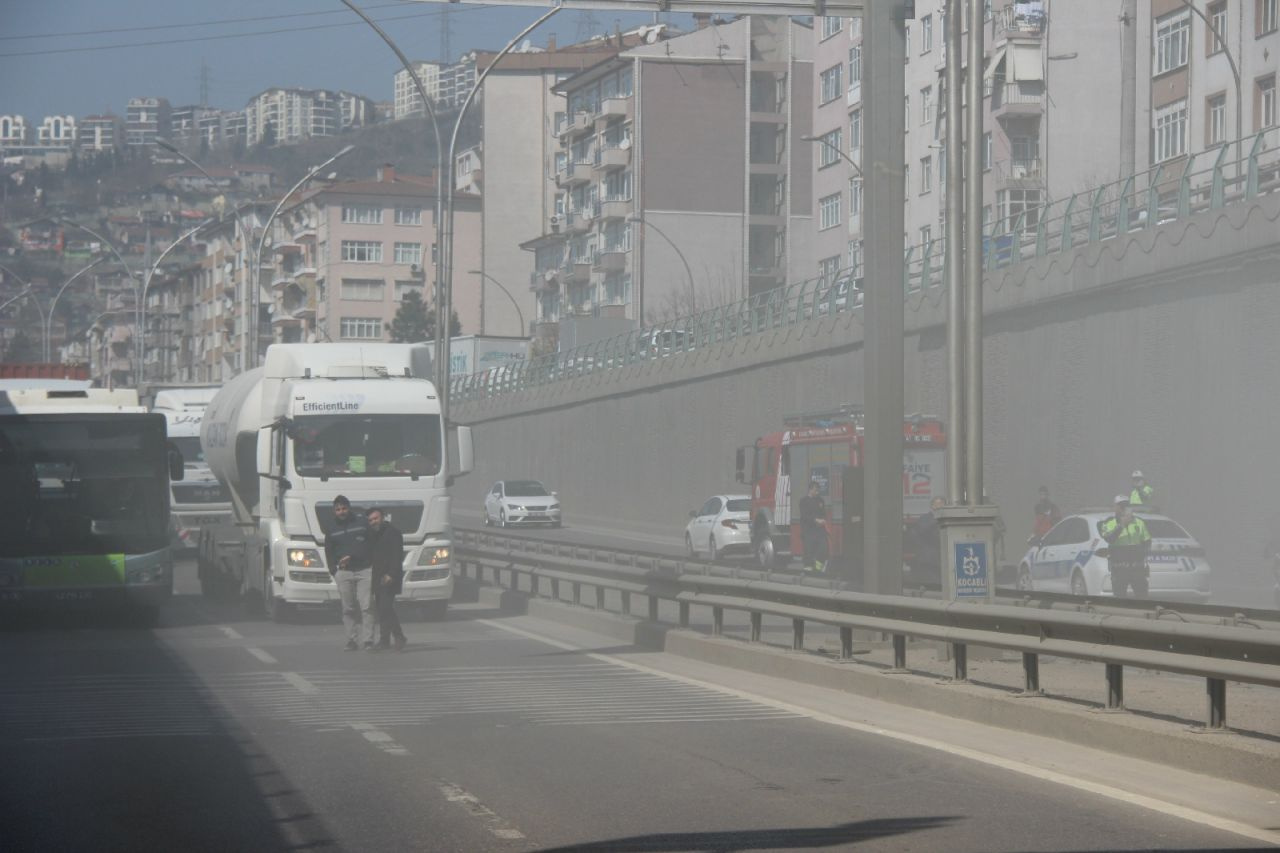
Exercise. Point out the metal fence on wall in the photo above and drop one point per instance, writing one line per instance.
(1235, 171)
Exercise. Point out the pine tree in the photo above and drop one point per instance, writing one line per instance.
(21, 349)
(415, 322)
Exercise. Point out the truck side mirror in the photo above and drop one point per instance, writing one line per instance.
(740, 465)
(466, 453)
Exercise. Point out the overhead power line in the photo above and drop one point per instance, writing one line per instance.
(167, 42)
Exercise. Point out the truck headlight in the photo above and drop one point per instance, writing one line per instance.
(433, 556)
(307, 558)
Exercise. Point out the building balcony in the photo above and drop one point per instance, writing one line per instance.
(614, 108)
(545, 279)
(281, 320)
(578, 221)
(616, 208)
(577, 272)
(577, 124)
(305, 235)
(575, 174)
(614, 157)
(611, 261)
(1020, 20)
(1014, 100)
(1018, 171)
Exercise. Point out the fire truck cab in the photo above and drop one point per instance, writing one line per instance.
(827, 448)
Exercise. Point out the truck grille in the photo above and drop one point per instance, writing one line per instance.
(199, 493)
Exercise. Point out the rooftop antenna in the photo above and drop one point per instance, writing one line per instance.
(588, 26)
(446, 33)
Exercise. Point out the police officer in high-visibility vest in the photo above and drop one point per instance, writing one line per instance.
(1142, 493)
(1129, 540)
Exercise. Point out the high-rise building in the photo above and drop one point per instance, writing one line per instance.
(13, 132)
(296, 114)
(145, 119)
(407, 100)
(99, 132)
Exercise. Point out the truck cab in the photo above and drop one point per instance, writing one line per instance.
(199, 500)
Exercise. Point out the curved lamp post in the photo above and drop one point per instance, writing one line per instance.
(514, 304)
(836, 148)
(27, 292)
(137, 310)
(146, 284)
(53, 306)
(1235, 73)
(693, 303)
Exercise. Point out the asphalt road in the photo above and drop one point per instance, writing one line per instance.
(215, 731)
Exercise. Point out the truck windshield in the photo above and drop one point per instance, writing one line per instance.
(366, 445)
(189, 447)
(76, 484)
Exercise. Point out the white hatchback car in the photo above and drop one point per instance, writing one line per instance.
(1072, 557)
(521, 502)
(722, 526)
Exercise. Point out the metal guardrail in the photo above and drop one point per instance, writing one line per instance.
(1241, 652)
(1240, 170)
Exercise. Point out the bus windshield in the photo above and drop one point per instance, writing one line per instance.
(366, 446)
(77, 484)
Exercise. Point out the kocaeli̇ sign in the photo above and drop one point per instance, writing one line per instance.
(971, 570)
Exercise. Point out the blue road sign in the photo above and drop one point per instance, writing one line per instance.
(971, 570)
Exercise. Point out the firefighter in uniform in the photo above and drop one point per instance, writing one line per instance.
(1129, 540)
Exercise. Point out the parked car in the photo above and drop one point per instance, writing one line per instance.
(722, 526)
(1072, 557)
(521, 502)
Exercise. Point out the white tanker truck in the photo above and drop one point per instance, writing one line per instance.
(316, 421)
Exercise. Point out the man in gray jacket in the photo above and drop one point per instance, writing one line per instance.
(347, 554)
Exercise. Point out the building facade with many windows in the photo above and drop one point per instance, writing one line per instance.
(407, 100)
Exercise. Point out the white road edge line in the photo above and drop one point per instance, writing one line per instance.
(261, 655)
(232, 633)
(300, 683)
(493, 822)
(1150, 803)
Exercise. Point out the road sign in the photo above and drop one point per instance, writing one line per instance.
(971, 570)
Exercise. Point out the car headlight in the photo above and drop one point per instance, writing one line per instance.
(433, 556)
(515, 507)
(307, 558)
(554, 506)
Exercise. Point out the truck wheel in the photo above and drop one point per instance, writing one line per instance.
(275, 609)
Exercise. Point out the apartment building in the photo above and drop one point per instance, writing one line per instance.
(681, 180)
(297, 114)
(99, 132)
(57, 132)
(53, 134)
(457, 79)
(347, 253)
(522, 115)
(1189, 101)
(144, 120)
(407, 100)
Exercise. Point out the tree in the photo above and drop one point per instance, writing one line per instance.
(21, 349)
(415, 322)
(268, 139)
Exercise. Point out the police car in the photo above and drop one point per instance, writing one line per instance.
(1072, 557)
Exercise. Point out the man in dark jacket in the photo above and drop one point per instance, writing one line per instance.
(346, 552)
(388, 576)
(926, 535)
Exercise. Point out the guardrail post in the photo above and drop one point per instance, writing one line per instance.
(1095, 216)
(577, 593)
(533, 584)
(684, 614)
(1030, 673)
(555, 588)
(1122, 210)
(757, 624)
(599, 598)
(1217, 191)
(900, 652)
(717, 621)
(846, 643)
(653, 608)
(1115, 687)
(797, 634)
(626, 603)
(960, 658)
(1251, 182)
(1184, 189)
(1217, 690)
(1068, 227)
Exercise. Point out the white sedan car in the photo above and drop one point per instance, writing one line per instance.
(521, 502)
(1072, 557)
(722, 526)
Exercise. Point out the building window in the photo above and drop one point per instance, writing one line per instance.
(1172, 34)
(829, 268)
(854, 258)
(831, 26)
(1267, 16)
(404, 288)
(855, 129)
(362, 251)
(617, 186)
(1266, 103)
(362, 289)
(1170, 132)
(1217, 14)
(1018, 208)
(906, 179)
(986, 151)
(830, 83)
(362, 214)
(926, 105)
(926, 236)
(926, 174)
(408, 216)
(408, 253)
(907, 36)
(829, 211)
(855, 197)
(1216, 127)
(926, 34)
(830, 143)
(906, 111)
(617, 288)
(855, 66)
(360, 328)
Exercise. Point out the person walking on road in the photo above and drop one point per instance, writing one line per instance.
(1047, 513)
(1142, 493)
(388, 577)
(346, 552)
(1129, 540)
(813, 529)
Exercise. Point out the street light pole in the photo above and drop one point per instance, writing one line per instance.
(29, 292)
(837, 149)
(973, 260)
(1235, 73)
(53, 306)
(133, 278)
(523, 331)
(146, 284)
(954, 245)
(637, 218)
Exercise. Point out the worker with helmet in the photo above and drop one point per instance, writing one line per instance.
(1142, 493)
(1129, 540)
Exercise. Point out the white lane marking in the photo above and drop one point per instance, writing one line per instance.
(492, 821)
(1150, 803)
(299, 682)
(261, 655)
(232, 633)
(380, 739)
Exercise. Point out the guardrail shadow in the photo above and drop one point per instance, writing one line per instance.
(799, 838)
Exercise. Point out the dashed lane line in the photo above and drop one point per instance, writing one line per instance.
(261, 655)
(1268, 836)
(379, 738)
(300, 683)
(231, 633)
(492, 821)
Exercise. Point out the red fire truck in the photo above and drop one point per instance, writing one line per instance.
(827, 448)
